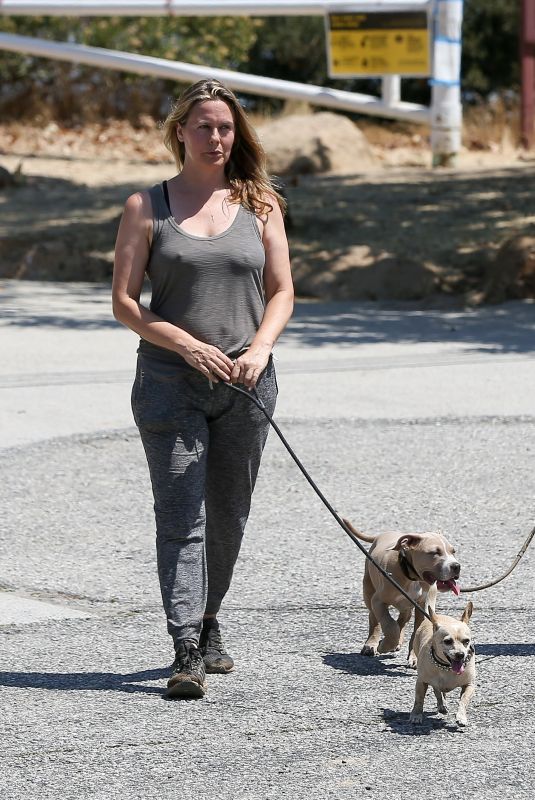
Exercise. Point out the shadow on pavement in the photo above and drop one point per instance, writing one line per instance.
(83, 306)
(508, 328)
(85, 681)
(357, 664)
(399, 722)
(505, 649)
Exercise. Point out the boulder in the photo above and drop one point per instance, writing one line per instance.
(54, 259)
(511, 273)
(6, 178)
(358, 274)
(301, 144)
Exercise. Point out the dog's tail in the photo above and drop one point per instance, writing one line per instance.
(363, 536)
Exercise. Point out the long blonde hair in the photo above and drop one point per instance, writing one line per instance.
(251, 186)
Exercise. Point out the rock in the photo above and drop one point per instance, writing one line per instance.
(301, 144)
(54, 259)
(402, 278)
(16, 178)
(510, 274)
(6, 178)
(360, 276)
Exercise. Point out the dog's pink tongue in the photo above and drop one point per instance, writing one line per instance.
(443, 586)
(458, 667)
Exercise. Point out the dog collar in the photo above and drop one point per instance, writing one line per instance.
(407, 568)
(445, 665)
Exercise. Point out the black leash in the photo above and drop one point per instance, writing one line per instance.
(508, 572)
(253, 397)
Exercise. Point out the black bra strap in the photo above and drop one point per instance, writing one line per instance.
(166, 195)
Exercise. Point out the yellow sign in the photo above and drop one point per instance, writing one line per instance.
(378, 43)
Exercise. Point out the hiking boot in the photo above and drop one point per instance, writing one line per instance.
(215, 657)
(187, 677)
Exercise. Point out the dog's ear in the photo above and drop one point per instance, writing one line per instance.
(467, 613)
(434, 619)
(407, 540)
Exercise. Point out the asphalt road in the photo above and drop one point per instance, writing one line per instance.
(406, 417)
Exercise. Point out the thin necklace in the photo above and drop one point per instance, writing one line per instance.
(224, 208)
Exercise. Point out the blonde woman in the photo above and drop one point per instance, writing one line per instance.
(212, 242)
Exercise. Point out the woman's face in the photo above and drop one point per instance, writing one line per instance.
(208, 133)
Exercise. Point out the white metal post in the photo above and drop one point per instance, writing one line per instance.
(391, 89)
(446, 108)
(258, 8)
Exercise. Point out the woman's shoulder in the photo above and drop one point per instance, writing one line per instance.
(271, 206)
(137, 200)
(144, 195)
(141, 203)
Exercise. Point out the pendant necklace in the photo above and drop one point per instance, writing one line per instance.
(224, 209)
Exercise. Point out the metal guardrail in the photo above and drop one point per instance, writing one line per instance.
(444, 114)
(134, 8)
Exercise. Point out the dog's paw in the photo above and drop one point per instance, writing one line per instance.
(368, 650)
(386, 646)
(461, 719)
(412, 661)
(442, 708)
(416, 717)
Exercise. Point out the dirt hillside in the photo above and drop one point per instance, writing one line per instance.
(368, 223)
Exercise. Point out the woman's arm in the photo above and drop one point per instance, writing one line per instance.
(132, 251)
(278, 288)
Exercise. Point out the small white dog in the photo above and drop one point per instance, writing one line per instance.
(446, 661)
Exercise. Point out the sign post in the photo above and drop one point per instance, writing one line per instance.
(378, 43)
(424, 43)
(446, 108)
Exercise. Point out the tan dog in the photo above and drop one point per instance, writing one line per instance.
(446, 661)
(421, 563)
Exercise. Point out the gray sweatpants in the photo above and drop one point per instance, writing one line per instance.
(203, 445)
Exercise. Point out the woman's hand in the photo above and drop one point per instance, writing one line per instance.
(208, 360)
(249, 366)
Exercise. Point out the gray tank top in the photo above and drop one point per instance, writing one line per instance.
(210, 286)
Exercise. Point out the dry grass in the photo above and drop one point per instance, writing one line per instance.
(493, 127)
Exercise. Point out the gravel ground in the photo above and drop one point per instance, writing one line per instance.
(407, 418)
(303, 713)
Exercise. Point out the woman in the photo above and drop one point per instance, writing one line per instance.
(213, 244)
